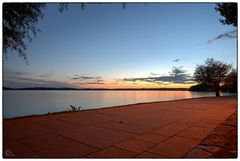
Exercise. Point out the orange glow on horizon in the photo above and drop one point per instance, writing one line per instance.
(132, 85)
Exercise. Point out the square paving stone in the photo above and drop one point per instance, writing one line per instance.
(137, 129)
(172, 129)
(85, 120)
(196, 132)
(55, 146)
(148, 123)
(166, 132)
(112, 152)
(134, 145)
(16, 132)
(153, 138)
(14, 149)
(149, 155)
(97, 136)
(170, 150)
(23, 121)
(207, 125)
(213, 121)
(59, 125)
(172, 115)
(183, 141)
(178, 125)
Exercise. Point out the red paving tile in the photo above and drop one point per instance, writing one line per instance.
(148, 123)
(172, 115)
(112, 152)
(134, 145)
(137, 129)
(207, 125)
(24, 121)
(16, 132)
(55, 146)
(172, 129)
(58, 125)
(149, 155)
(211, 121)
(183, 141)
(196, 132)
(14, 149)
(96, 136)
(195, 118)
(153, 138)
(166, 131)
(85, 120)
(169, 150)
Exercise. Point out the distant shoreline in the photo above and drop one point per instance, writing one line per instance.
(133, 89)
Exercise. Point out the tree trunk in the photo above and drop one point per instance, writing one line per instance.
(217, 93)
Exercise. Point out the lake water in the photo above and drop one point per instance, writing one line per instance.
(22, 103)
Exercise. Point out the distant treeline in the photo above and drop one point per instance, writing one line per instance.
(207, 88)
(65, 88)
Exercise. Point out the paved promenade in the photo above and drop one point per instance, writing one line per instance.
(173, 129)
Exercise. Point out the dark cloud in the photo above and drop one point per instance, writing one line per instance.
(177, 75)
(227, 35)
(88, 83)
(178, 71)
(84, 80)
(176, 60)
(21, 82)
(21, 79)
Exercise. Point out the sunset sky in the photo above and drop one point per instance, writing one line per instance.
(105, 46)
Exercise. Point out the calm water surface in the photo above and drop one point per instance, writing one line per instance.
(21, 103)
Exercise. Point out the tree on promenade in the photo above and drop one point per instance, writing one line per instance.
(212, 73)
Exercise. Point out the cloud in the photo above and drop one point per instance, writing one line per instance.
(46, 75)
(154, 74)
(21, 79)
(84, 80)
(79, 83)
(227, 35)
(177, 75)
(176, 60)
(20, 82)
(14, 72)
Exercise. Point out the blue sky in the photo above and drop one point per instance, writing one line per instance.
(106, 46)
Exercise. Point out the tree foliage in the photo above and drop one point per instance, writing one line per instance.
(200, 87)
(229, 12)
(212, 73)
(64, 6)
(230, 82)
(19, 25)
